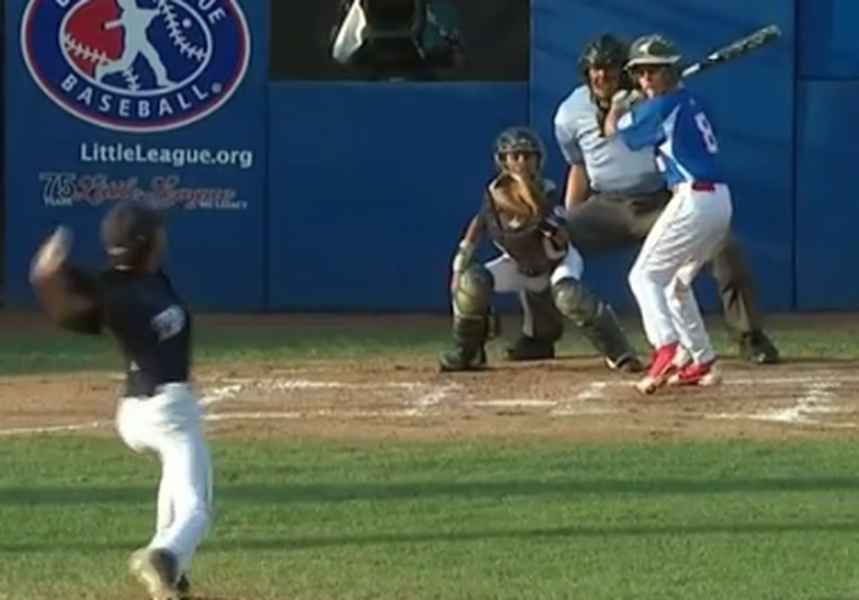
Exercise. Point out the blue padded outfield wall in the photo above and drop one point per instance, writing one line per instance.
(351, 196)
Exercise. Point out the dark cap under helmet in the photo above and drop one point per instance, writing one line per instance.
(605, 50)
(519, 139)
(128, 231)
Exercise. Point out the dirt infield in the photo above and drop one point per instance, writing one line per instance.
(575, 399)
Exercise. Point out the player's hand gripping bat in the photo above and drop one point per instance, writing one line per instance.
(734, 50)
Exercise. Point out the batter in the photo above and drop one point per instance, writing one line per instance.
(614, 196)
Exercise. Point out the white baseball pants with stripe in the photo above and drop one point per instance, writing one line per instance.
(170, 424)
(683, 238)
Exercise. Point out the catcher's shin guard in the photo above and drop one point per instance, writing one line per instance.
(468, 351)
(597, 322)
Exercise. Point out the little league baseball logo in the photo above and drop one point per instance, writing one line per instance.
(136, 65)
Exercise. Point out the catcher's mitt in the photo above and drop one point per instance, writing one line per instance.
(517, 199)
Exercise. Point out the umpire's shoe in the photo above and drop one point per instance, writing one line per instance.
(530, 348)
(158, 571)
(756, 347)
(459, 358)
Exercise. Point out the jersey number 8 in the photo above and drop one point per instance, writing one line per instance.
(707, 133)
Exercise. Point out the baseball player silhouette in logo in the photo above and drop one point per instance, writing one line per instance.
(135, 22)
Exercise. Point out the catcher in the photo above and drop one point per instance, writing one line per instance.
(523, 218)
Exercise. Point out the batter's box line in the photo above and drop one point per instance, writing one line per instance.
(430, 401)
(308, 414)
(278, 384)
(589, 401)
(785, 417)
(817, 379)
(48, 429)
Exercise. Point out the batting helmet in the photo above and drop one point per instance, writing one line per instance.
(652, 50)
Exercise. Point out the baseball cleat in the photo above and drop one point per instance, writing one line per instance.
(183, 586)
(458, 359)
(530, 348)
(157, 571)
(703, 374)
(756, 347)
(660, 369)
(626, 364)
(682, 357)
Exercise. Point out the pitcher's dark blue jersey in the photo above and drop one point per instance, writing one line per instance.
(150, 323)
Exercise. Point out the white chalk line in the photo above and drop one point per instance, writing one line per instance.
(28, 431)
(512, 403)
(818, 398)
(817, 401)
(428, 401)
(819, 378)
(591, 400)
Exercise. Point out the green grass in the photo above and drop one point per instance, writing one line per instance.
(450, 520)
(322, 521)
(57, 351)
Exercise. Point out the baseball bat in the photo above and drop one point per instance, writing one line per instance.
(743, 46)
(111, 25)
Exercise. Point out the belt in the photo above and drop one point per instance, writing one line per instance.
(147, 392)
(695, 186)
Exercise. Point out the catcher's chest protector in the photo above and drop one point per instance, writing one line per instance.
(521, 239)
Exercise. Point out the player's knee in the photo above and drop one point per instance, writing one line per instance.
(574, 300)
(473, 291)
(677, 290)
(643, 275)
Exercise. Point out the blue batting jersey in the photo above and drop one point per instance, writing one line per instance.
(684, 140)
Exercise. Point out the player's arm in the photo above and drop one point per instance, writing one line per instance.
(69, 295)
(554, 225)
(468, 244)
(578, 184)
(640, 127)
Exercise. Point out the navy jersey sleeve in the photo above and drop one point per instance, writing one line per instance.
(88, 286)
(643, 125)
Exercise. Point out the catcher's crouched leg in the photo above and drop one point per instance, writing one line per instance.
(542, 327)
(474, 322)
(597, 322)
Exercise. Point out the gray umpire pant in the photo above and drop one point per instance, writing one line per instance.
(609, 222)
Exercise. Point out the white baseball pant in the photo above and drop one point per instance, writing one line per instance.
(682, 239)
(170, 424)
(508, 278)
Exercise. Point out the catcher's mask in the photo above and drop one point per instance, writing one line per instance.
(129, 232)
(519, 140)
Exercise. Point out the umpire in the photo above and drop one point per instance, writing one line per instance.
(614, 196)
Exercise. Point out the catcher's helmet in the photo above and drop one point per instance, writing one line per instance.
(606, 50)
(652, 50)
(519, 139)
